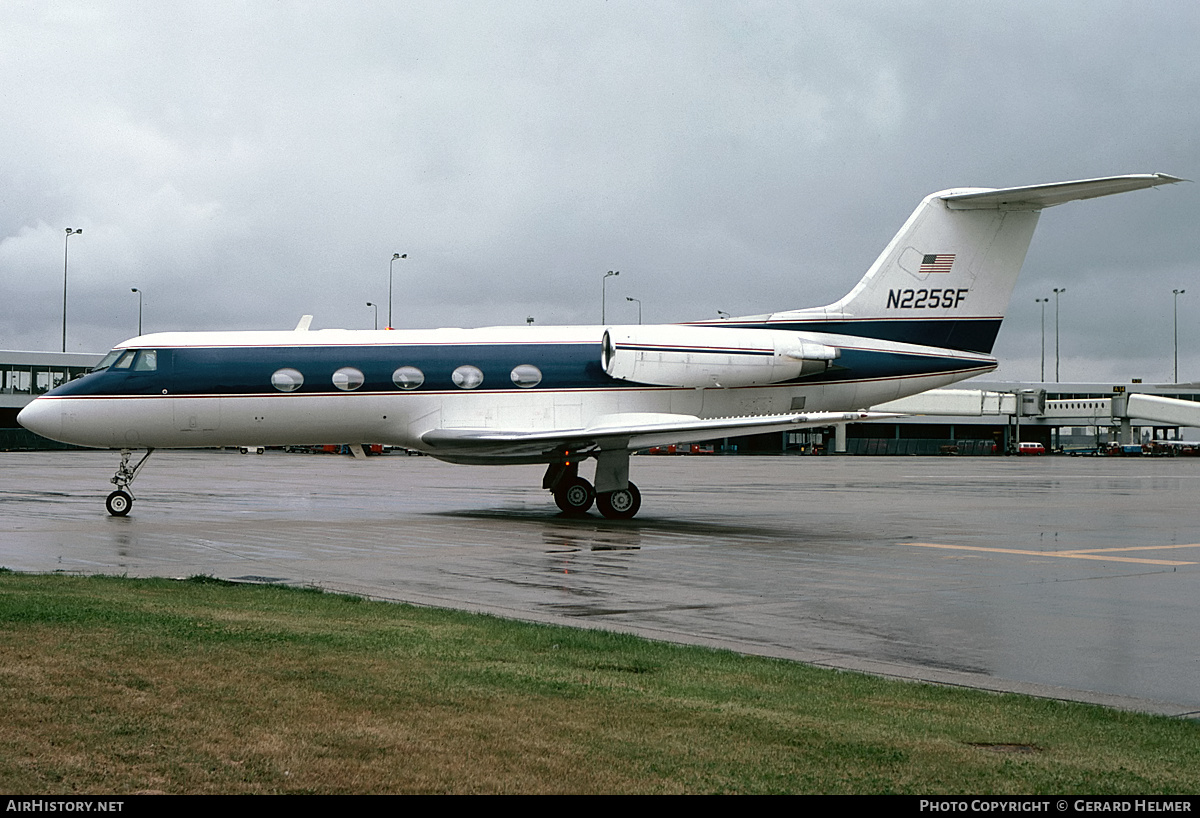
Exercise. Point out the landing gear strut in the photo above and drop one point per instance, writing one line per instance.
(120, 501)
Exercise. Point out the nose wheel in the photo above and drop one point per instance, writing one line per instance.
(120, 501)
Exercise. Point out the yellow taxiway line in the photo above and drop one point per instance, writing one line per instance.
(1076, 554)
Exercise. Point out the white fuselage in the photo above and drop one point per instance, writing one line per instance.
(216, 389)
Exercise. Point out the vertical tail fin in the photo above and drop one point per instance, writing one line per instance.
(946, 278)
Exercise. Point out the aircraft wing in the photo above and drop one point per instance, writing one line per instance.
(629, 431)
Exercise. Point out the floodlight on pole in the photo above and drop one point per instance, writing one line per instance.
(139, 292)
(70, 232)
(376, 306)
(639, 303)
(1043, 302)
(1057, 292)
(391, 266)
(603, 291)
(1177, 293)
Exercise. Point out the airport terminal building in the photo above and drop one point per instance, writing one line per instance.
(979, 417)
(24, 376)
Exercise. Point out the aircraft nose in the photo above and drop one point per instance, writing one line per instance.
(43, 417)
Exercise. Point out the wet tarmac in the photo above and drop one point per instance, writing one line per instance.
(1064, 577)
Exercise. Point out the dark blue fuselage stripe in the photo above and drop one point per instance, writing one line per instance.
(965, 334)
(248, 370)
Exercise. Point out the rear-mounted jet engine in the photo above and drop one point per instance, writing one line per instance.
(702, 357)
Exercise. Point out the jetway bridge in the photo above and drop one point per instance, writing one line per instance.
(1046, 405)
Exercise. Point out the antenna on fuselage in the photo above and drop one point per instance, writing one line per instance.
(305, 323)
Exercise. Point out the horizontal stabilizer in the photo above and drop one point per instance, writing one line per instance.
(1036, 197)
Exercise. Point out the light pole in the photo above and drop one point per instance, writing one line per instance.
(603, 291)
(723, 315)
(376, 306)
(70, 232)
(139, 292)
(1177, 294)
(391, 266)
(639, 303)
(1057, 291)
(1043, 302)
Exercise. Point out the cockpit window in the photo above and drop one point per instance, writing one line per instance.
(147, 361)
(107, 360)
(125, 360)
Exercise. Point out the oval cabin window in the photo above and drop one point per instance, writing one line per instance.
(348, 379)
(526, 376)
(467, 377)
(408, 377)
(287, 380)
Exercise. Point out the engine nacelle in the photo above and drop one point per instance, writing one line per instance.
(701, 357)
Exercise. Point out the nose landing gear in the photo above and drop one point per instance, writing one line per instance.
(120, 501)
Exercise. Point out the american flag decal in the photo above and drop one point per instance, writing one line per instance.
(936, 263)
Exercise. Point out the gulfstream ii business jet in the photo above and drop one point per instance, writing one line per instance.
(925, 315)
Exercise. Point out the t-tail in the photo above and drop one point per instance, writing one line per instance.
(946, 279)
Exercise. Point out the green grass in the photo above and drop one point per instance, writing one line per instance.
(110, 685)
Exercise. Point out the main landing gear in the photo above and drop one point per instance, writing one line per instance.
(574, 495)
(120, 501)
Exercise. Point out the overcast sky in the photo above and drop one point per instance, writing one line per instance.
(243, 163)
